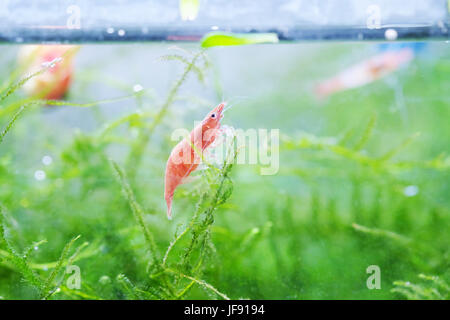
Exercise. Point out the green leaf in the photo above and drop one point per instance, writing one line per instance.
(214, 39)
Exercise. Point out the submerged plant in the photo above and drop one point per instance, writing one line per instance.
(20, 261)
(168, 274)
(430, 288)
(343, 199)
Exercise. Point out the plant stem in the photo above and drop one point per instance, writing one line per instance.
(137, 150)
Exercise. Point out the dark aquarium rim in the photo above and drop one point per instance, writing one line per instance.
(171, 34)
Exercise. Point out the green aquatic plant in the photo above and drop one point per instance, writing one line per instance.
(136, 153)
(10, 124)
(430, 288)
(20, 261)
(214, 39)
(191, 261)
(9, 90)
(354, 189)
(15, 86)
(137, 211)
(382, 233)
(45, 287)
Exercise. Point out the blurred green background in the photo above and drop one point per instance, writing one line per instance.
(363, 180)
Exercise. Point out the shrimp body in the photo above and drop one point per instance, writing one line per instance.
(186, 155)
(365, 72)
(55, 82)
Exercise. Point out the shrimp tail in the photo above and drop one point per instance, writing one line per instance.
(169, 206)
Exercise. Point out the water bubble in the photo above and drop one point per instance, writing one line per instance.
(411, 191)
(36, 248)
(121, 32)
(391, 34)
(137, 88)
(47, 160)
(39, 175)
(144, 30)
(214, 28)
(110, 30)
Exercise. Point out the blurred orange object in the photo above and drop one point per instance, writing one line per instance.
(365, 72)
(54, 82)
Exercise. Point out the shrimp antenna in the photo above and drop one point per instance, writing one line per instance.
(227, 106)
(236, 99)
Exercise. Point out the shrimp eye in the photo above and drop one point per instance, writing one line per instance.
(213, 115)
